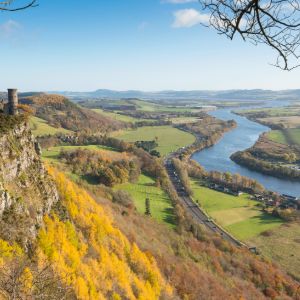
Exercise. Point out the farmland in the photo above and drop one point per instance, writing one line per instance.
(160, 204)
(276, 118)
(117, 116)
(239, 215)
(168, 138)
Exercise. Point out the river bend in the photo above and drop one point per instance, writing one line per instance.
(244, 136)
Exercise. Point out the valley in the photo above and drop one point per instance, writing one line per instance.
(121, 164)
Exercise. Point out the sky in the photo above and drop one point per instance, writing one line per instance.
(148, 45)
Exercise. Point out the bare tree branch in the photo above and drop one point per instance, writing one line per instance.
(9, 5)
(275, 23)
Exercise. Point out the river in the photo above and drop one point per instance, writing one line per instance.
(244, 136)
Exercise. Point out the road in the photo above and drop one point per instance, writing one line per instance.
(196, 212)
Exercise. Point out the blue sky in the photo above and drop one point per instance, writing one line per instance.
(128, 44)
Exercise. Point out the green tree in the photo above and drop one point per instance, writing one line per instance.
(147, 205)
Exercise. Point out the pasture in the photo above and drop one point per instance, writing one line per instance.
(239, 215)
(282, 245)
(40, 127)
(168, 138)
(283, 121)
(160, 204)
(287, 136)
(118, 117)
(183, 120)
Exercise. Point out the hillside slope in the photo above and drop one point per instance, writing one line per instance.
(48, 223)
(58, 111)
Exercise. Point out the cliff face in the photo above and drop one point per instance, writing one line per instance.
(26, 191)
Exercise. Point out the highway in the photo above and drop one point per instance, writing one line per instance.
(195, 211)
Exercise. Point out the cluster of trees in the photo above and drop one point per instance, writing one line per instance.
(152, 123)
(288, 214)
(245, 158)
(269, 150)
(149, 164)
(235, 182)
(101, 168)
(208, 126)
(267, 154)
(21, 278)
(148, 146)
(183, 174)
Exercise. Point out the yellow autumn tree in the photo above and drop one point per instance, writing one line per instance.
(92, 255)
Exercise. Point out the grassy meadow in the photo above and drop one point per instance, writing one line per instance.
(282, 245)
(40, 127)
(182, 120)
(168, 138)
(239, 215)
(118, 117)
(52, 154)
(160, 204)
(287, 136)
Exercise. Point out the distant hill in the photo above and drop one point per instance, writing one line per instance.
(59, 112)
(255, 94)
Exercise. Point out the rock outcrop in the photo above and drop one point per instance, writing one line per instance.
(27, 192)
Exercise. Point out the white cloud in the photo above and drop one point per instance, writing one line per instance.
(9, 29)
(189, 18)
(178, 1)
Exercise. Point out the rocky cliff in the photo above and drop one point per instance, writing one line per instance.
(26, 191)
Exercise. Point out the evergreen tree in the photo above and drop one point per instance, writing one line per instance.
(147, 204)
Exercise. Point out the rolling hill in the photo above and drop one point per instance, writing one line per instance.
(59, 112)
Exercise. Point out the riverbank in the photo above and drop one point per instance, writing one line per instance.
(207, 132)
(271, 158)
(244, 136)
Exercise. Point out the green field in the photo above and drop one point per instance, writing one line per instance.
(274, 112)
(287, 136)
(160, 204)
(168, 138)
(239, 215)
(282, 245)
(150, 106)
(52, 153)
(118, 117)
(182, 120)
(277, 136)
(41, 127)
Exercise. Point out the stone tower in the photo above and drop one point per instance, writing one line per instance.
(12, 102)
